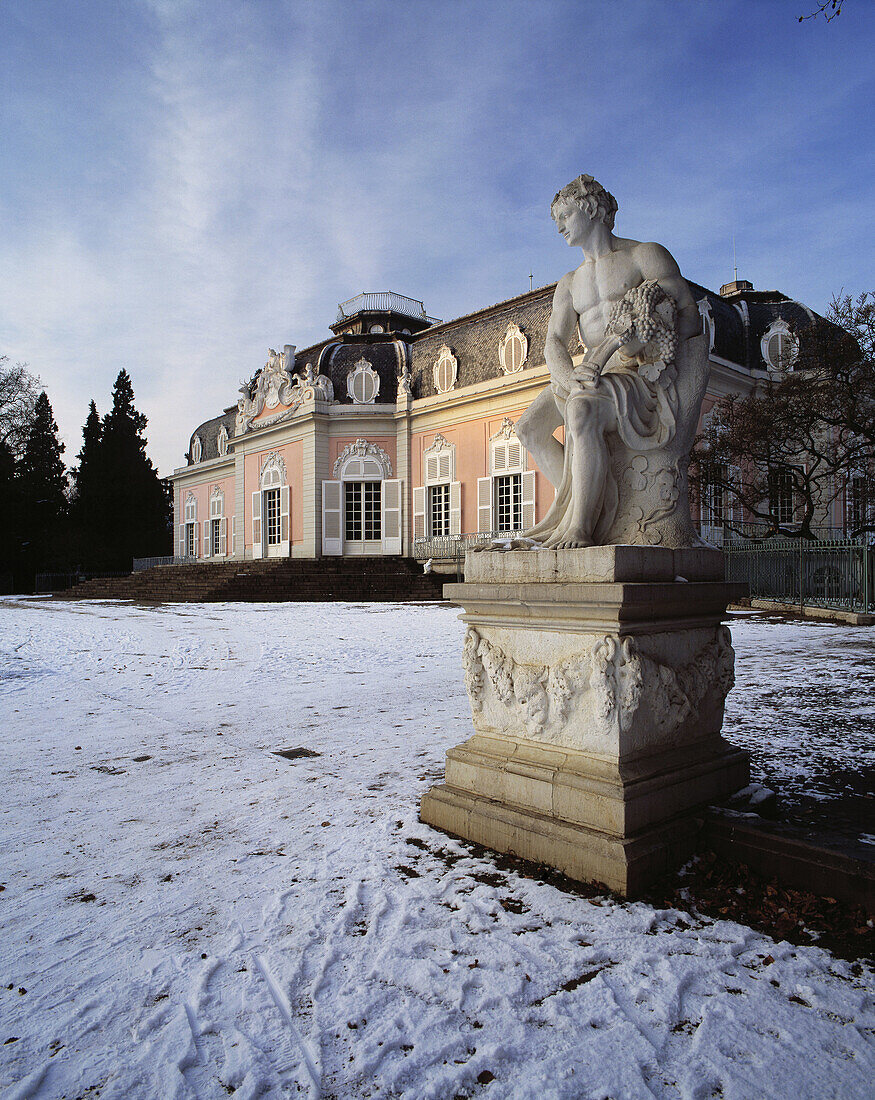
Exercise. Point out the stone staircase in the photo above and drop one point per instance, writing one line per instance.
(289, 579)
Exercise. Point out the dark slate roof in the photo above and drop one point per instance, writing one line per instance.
(474, 340)
(729, 334)
(209, 433)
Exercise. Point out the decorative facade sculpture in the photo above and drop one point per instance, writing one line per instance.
(362, 449)
(275, 386)
(631, 406)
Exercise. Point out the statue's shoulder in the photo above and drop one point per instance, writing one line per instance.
(653, 259)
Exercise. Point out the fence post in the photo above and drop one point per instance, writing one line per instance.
(801, 577)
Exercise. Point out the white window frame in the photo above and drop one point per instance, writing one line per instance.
(364, 375)
(507, 458)
(445, 370)
(438, 472)
(785, 362)
(272, 477)
(513, 338)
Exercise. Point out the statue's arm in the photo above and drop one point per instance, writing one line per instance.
(560, 329)
(656, 262)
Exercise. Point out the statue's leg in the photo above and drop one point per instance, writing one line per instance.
(535, 430)
(588, 418)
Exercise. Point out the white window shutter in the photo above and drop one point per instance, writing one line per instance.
(455, 507)
(528, 487)
(234, 533)
(256, 525)
(499, 458)
(419, 513)
(484, 503)
(514, 456)
(223, 537)
(392, 517)
(444, 466)
(208, 542)
(431, 469)
(196, 534)
(182, 540)
(332, 518)
(284, 513)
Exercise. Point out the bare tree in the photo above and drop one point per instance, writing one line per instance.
(829, 9)
(19, 390)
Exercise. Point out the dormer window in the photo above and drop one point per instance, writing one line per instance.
(222, 441)
(363, 383)
(445, 370)
(779, 346)
(513, 349)
(197, 449)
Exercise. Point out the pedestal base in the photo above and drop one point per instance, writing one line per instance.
(597, 704)
(592, 821)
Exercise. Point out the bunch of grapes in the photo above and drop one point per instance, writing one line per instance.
(638, 314)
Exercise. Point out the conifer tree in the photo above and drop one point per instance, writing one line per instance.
(87, 503)
(10, 511)
(41, 482)
(132, 513)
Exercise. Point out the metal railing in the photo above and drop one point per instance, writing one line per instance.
(168, 559)
(831, 573)
(451, 548)
(385, 301)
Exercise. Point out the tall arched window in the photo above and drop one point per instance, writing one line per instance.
(506, 499)
(215, 528)
(437, 505)
(361, 509)
(270, 510)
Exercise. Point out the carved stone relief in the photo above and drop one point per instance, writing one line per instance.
(620, 680)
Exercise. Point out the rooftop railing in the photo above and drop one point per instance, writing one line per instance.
(385, 301)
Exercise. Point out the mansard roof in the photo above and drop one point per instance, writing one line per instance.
(740, 321)
(209, 435)
(474, 339)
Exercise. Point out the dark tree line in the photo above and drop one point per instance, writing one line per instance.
(111, 508)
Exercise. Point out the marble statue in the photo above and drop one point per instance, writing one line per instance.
(630, 408)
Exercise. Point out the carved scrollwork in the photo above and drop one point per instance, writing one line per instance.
(362, 449)
(275, 386)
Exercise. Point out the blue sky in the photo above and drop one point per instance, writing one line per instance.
(185, 184)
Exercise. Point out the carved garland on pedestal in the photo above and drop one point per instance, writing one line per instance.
(616, 671)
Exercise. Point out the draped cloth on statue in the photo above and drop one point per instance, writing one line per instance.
(645, 419)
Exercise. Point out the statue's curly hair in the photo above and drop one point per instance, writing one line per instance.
(587, 192)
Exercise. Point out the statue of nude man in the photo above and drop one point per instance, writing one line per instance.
(585, 398)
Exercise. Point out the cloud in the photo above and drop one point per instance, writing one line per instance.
(190, 183)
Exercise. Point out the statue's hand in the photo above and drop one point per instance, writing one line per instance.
(587, 373)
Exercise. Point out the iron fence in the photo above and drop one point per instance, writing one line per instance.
(168, 559)
(831, 573)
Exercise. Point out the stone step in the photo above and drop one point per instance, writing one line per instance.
(294, 579)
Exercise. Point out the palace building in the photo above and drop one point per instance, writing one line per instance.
(396, 434)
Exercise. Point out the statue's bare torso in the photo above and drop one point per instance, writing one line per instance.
(583, 303)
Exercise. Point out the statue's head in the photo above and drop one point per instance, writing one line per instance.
(589, 195)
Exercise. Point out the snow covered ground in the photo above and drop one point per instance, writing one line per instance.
(185, 914)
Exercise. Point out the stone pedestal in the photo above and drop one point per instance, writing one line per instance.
(598, 703)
